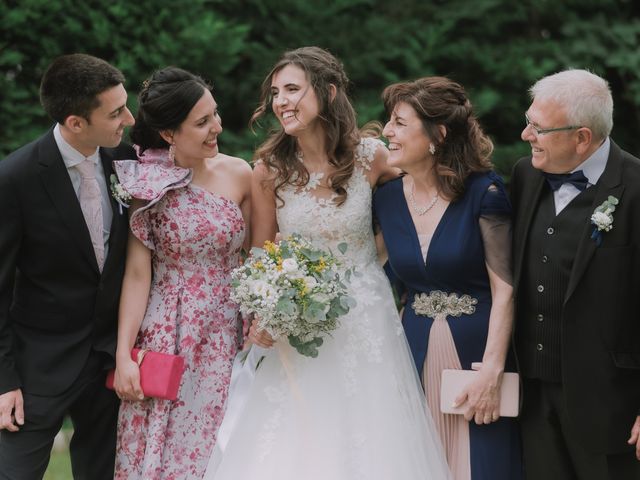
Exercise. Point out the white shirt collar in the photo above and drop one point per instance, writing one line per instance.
(593, 166)
(70, 156)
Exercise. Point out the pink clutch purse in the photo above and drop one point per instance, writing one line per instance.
(160, 373)
(453, 381)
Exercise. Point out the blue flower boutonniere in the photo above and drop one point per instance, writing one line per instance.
(602, 219)
(119, 193)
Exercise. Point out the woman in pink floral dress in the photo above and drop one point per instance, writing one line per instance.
(187, 231)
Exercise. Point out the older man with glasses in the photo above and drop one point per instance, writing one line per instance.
(576, 201)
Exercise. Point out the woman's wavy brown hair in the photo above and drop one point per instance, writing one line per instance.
(465, 148)
(337, 117)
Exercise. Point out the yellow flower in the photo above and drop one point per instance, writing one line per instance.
(321, 265)
(270, 247)
(259, 265)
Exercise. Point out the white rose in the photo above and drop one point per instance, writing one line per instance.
(289, 265)
(310, 282)
(259, 288)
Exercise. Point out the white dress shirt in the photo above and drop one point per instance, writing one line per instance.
(592, 168)
(71, 158)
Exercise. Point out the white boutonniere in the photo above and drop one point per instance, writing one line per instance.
(119, 193)
(602, 218)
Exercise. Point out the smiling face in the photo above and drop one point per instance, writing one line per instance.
(408, 141)
(107, 122)
(294, 101)
(197, 137)
(553, 152)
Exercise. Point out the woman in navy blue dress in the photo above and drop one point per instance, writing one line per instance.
(446, 228)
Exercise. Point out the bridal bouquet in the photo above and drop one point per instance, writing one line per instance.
(295, 290)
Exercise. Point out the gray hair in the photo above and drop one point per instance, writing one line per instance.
(585, 97)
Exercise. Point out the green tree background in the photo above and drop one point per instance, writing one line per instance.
(495, 48)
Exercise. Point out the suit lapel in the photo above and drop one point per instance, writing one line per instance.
(532, 186)
(57, 183)
(610, 183)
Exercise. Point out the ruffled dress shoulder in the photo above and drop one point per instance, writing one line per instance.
(149, 178)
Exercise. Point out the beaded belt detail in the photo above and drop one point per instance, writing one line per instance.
(441, 304)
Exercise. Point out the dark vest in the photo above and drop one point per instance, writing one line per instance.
(549, 255)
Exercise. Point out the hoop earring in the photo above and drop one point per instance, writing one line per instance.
(172, 153)
(432, 149)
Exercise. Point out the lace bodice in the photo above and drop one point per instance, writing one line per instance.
(327, 225)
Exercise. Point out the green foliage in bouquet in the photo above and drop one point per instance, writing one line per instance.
(295, 290)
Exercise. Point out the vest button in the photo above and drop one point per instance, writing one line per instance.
(540, 288)
(539, 347)
(550, 230)
(540, 317)
(545, 259)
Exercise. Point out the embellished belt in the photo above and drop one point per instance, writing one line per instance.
(440, 304)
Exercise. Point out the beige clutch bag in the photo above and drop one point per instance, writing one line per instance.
(453, 381)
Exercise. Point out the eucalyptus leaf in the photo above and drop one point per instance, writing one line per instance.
(286, 306)
(313, 255)
(315, 312)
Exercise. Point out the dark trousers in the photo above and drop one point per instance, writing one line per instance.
(24, 455)
(552, 451)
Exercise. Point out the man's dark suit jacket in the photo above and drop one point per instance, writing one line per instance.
(600, 343)
(55, 306)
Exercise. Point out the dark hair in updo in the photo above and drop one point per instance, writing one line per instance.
(164, 103)
(465, 148)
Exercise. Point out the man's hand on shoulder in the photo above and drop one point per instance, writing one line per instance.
(11, 410)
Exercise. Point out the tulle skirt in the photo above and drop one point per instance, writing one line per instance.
(357, 411)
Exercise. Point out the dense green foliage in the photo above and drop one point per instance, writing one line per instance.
(496, 48)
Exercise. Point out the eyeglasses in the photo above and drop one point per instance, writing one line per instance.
(544, 131)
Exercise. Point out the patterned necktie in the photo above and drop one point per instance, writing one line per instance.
(91, 204)
(577, 179)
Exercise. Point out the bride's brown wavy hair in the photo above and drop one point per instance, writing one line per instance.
(337, 116)
(464, 148)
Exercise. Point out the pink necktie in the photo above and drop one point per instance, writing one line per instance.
(91, 204)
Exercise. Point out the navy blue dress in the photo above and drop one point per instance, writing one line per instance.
(455, 263)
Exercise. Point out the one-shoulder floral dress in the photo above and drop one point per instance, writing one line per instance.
(195, 237)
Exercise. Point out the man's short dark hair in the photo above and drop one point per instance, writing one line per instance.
(72, 83)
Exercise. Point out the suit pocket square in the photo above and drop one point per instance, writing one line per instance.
(626, 359)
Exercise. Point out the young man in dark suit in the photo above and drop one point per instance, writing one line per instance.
(62, 250)
(577, 280)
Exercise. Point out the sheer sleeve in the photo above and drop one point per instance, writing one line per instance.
(495, 228)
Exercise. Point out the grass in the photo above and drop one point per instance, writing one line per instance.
(59, 466)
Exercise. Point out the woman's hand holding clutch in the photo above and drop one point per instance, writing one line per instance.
(127, 380)
(482, 396)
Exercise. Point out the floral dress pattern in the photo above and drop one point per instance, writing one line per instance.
(195, 237)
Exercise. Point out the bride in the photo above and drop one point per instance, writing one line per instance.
(357, 410)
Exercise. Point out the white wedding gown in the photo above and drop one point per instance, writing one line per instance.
(356, 411)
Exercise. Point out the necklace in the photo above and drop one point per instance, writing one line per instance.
(420, 210)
